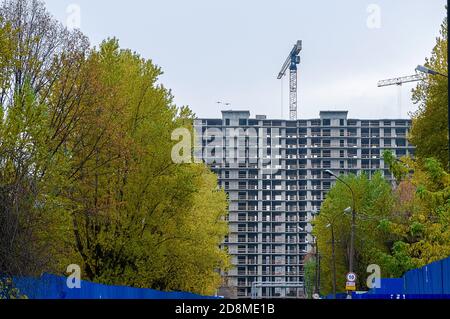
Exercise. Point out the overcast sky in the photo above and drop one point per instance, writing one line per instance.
(232, 50)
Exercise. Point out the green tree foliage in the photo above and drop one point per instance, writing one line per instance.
(139, 219)
(422, 228)
(86, 174)
(399, 229)
(420, 221)
(430, 130)
(407, 226)
(8, 291)
(40, 83)
(310, 277)
(373, 204)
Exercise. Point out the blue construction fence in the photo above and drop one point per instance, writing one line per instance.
(432, 279)
(429, 282)
(55, 287)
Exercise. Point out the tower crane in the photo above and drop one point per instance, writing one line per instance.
(291, 63)
(400, 81)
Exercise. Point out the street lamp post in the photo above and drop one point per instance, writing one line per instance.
(317, 267)
(352, 235)
(333, 256)
(424, 69)
(317, 257)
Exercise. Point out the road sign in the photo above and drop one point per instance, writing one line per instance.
(351, 277)
(350, 286)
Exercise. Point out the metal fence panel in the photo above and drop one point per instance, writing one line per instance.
(55, 287)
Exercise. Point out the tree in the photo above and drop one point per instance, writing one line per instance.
(86, 174)
(41, 80)
(429, 131)
(140, 219)
(422, 231)
(419, 226)
(374, 202)
(310, 277)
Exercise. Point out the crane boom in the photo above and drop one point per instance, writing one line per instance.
(402, 80)
(291, 63)
(399, 82)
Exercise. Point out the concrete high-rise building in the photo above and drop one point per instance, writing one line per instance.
(274, 174)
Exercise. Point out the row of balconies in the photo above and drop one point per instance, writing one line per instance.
(297, 157)
(324, 166)
(268, 220)
(271, 262)
(281, 155)
(248, 229)
(291, 177)
(247, 240)
(294, 198)
(283, 241)
(274, 198)
(245, 219)
(250, 187)
(296, 177)
(248, 197)
(283, 273)
(245, 176)
(285, 164)
(240, 140)
(294, 167)
(247, 273)
(282, 263)
(288, 252)
(244, 251)
(287, 209)
(302, 156)
(290, 292)
(290, 146)
(370, 167)
(325, 131)
(350, 124)
(303, 178)
(366, 156)
(275, 220)
(282, 230)
(378, 136)
(278, 241)
(296, 188)
(248, 208)
(248, 262)
(319, 187)
(290, 220)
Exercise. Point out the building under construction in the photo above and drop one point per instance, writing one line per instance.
(274, 172)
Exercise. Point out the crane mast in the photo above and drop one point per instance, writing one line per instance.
(291, 63)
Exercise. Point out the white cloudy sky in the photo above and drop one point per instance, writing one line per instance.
(232, 50)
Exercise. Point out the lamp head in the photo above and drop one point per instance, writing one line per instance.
(348, 210)
(329, 172)
(424, 69)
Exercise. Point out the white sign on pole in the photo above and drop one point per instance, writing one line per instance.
(351, 277)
